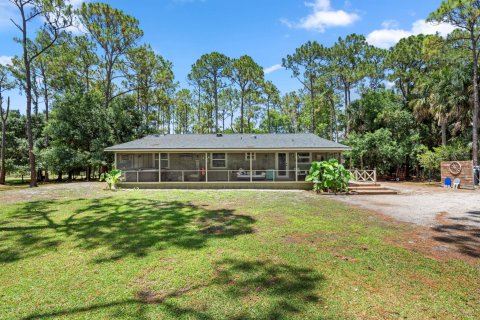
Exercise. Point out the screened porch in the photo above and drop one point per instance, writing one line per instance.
(204, 167)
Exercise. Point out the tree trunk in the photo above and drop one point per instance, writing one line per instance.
(241, 114)
(28, 93)
(268, 116)
(45, 92)
(4, 116)
(108, 84)
(475, 103)
(444, 133)
(312, 100)
(346, 110)
(215, 88)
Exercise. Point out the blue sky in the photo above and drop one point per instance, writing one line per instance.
(267, 30)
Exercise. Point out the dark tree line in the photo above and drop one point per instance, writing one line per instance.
(86, 92)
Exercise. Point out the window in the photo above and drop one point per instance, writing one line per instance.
(124, 161)
(247, 156)
(218, 160)
(144, 161)
(164, 160)
(304, 157)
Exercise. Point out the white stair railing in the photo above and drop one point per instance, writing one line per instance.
(364, 175)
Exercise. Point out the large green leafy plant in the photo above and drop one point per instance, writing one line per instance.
(329, 176)
(111, 178)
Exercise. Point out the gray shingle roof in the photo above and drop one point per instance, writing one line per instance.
(228, 142)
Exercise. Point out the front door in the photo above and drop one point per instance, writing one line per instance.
(282, 164)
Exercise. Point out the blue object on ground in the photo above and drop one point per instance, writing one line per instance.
(448, 183)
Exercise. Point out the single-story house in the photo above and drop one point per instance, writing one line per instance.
(222, 160)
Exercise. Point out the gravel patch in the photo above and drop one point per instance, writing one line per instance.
(420, 204)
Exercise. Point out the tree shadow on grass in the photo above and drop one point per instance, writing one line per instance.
(126, 227)
(275, 290)
(463, 233)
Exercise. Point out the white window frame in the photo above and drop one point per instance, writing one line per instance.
(224, 159)
(160, 160)
(304, 157)
(247, 156)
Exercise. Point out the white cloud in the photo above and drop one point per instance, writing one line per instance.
(5, 60)
(390, 35)
(421, 26)
(389, 24)
(323, 17)
(272, 69)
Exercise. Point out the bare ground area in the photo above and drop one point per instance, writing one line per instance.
(446, 221)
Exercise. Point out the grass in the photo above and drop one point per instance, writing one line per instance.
(14, 183)
(83, 253)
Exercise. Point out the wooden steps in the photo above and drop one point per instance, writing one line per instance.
(360, 188)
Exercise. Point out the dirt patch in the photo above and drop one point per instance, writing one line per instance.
(225, 223)
(427, 240)
(50, 191)
(464, 237)
(155, 297)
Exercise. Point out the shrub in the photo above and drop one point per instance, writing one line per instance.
(111, 178)
(329, 176)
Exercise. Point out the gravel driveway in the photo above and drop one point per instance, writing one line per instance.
(422, 205)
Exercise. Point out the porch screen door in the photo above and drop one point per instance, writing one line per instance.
(282, 164)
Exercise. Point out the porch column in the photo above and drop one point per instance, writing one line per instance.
(206, 166)
(296, 166)
(159, 167)
(251, 177)
(115, 164)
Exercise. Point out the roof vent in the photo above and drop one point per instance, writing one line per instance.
(219, 135)
(254, 137)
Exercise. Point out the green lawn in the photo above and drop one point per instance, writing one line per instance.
(12, 183)
(85, 253)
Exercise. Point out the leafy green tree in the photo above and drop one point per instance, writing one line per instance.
(183, 111)
(146, 73)
(248, 76)
(5, 85)
(374, 150)
(465, 15)
(79, 130)
(406, 63)
(375, 67)
(349, 63)
(57, 16)
(211, 71)
(307, 64)
(116, 33)
(272, 99)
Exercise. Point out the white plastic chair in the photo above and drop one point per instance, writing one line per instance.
(456, 183)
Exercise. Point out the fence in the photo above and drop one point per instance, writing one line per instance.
(364, 175)
(140, 176)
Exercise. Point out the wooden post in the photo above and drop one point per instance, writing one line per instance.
(251, 177)
(159, 167)
(296, 166)
(206, 166)
(115, 164)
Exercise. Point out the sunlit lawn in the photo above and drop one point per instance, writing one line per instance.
(12, 183)
(86, 254)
